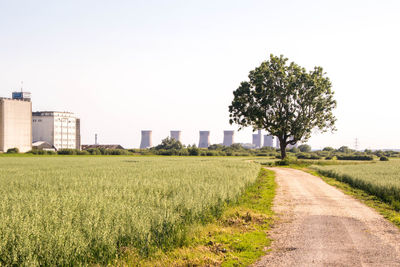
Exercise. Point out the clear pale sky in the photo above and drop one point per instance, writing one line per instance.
(124, 66)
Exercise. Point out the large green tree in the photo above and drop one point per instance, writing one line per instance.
(285, 100)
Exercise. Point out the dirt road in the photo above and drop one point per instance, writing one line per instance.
(320, 226)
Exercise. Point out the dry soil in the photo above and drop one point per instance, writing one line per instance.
(318, 225)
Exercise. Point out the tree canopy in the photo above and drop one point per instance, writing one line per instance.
(169, 143)
(285, 100)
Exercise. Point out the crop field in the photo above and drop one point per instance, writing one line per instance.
(381, 179)
(84, 210)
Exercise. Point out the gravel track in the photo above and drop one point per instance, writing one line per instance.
(318, 225)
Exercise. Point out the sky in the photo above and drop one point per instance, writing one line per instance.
(126, 66)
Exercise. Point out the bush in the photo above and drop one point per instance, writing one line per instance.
(354, 157)
(193, 151)
(94, 151)
(284, 162)
(305, 148)
(383, 158)
(67, 151)
(13, 150)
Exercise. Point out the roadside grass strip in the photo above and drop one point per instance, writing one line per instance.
(237, 238)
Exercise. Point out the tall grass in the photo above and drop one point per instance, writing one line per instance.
(381, 179)
(74, 211)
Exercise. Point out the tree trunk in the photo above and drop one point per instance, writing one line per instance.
(283, 149)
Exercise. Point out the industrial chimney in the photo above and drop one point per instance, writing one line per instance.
(204, 139)
(228, 138)
(268, 141)
(176, 135)
(146, 139)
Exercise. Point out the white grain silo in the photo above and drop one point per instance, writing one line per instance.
(176, 135)
(268, 141)
(278, 144)
(146, 139)
(204, 141)
(228, 138)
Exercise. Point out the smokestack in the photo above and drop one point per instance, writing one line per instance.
(228, 138)
(95, 139)
(204, 139)
(146, 139)
(268, 141)
(176, 135)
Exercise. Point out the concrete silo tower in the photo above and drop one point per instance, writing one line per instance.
(176, 135)
(268, 141)
(204, 141)
(146, 139)
(228, 138)
(278, 144)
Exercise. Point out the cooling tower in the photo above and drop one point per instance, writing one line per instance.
(257, 139)
(146, 139)
(228, 138)
(204, 139)
(268, 141)
(176, 135)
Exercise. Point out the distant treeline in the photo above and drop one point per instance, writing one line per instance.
(171, 147)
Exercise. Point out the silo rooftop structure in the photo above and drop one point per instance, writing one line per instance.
(228, 138)
(204, 141)
(176, 135)
(146, 139)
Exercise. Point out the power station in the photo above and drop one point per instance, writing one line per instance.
(204, 141)
(146, 141)
(228, 138)
(268, 141)
(176, 135)
(257, 139)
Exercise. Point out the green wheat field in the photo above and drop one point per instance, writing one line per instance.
(381, 179)
(85, 210)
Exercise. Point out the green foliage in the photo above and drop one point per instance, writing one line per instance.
(193, 150)
(305, 148)
(285, 100)
(67, 151)
(344, 149)
(307, 156)
(354, 157)
(41, 152)
(328, 148)
(383, 158)
(72, 211)
(169, 143)
(13, 150)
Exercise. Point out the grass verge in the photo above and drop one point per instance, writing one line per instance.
(388, 211)
(237, 238)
